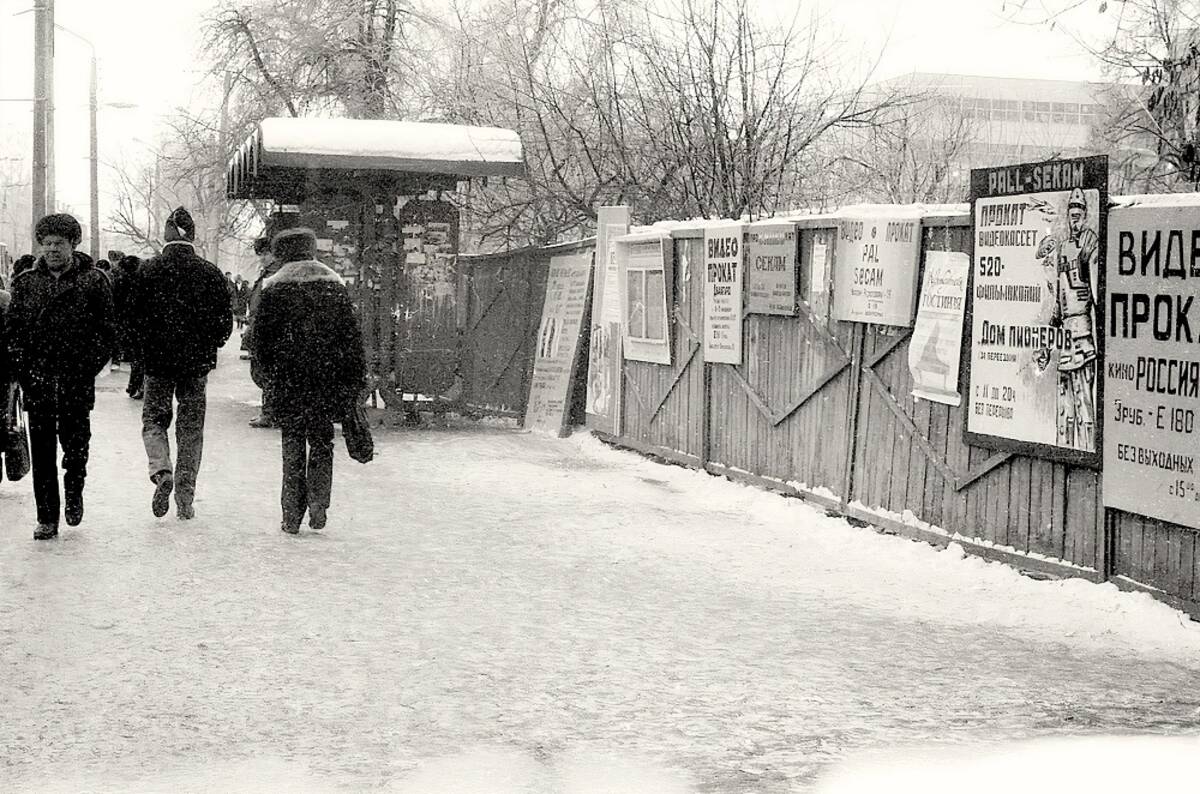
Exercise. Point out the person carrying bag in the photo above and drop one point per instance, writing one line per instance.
(15, 436)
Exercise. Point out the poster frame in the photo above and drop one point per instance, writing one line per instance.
(644, 349)
(1095, 178)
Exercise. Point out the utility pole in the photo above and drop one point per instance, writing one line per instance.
(94, 163)
(222, 150)
(51, 180)
(41, 89)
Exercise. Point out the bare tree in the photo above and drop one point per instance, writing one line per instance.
(1150, 50)
(680, 108)
(188, 170)
(299, 57)
(918, 153)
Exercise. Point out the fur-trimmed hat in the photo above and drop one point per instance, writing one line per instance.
(179, 226)
(293, 245)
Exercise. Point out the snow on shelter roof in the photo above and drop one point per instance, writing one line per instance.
(312, 144)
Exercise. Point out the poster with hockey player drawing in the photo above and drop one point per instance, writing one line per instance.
(1036, 308)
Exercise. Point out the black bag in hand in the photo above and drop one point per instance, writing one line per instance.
(16, 436)
(357, 432)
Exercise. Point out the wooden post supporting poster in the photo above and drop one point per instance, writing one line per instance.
(568, 287)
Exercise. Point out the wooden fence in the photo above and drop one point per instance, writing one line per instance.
(824, 410)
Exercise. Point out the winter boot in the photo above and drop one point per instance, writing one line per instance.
(185, 512)
(164, 483)
(73, 506)
(45, 531)
(316, 517)
(289, 527)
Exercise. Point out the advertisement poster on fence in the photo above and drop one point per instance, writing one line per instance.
(876, 268)
(771, 269)
(936, 343)
(1152, 364)
(1036, 309)
(723, 280)
(646, 279)
(604, 357)
(818, 272)
(568, 285)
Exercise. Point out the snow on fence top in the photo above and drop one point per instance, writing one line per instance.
(309, 144)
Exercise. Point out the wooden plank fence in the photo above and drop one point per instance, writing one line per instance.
(824, 410)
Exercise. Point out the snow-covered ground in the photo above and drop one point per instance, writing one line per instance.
(490, 610)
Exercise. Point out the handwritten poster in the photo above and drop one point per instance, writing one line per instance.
(876, 269)
(1036, 307)
(723, 278)
(1152, 364)
(771, 269)
(936, 343)
(568, 287)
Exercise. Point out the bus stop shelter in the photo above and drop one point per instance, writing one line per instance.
(372, 190)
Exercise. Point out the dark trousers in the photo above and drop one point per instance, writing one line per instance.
(307, 462)
(137, 375)
(260, 380)
(48, 429)
(189, 430)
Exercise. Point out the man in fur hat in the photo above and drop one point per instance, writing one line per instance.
(60, 336)
(182, 316)
(309, 346)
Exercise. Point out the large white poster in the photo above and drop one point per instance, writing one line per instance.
(876, 269)
(1034, 325)
(936, 343)
(604, 364)
(723, 277)
(1152, 364)
(568, 285)
(771, 269)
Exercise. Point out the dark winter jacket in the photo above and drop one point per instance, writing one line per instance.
(60, 334)
(181, 313)
(5, 299)
(307, 341)
(252, 300)
(124, 282)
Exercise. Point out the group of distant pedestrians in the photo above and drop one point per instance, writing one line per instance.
(168, 316)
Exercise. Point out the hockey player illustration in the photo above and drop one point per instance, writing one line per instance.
(1071, 263)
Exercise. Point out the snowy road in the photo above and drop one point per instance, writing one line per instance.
(494, 611)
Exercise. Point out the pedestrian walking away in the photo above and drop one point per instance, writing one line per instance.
(181, 312)
(127, 342)
(60, 335)
(308, 344)
(268, 265)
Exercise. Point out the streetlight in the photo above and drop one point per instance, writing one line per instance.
(94, 148)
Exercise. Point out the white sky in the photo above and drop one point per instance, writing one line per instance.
(148, 55)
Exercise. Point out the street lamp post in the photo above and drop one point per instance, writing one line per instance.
(94, 161)
(94, 143)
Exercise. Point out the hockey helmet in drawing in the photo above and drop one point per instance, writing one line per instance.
(1076, 199)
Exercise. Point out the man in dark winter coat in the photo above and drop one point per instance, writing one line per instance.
(182, 317)
(309, 346)
(60, 336)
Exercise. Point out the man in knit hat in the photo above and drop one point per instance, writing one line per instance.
(181, 316)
